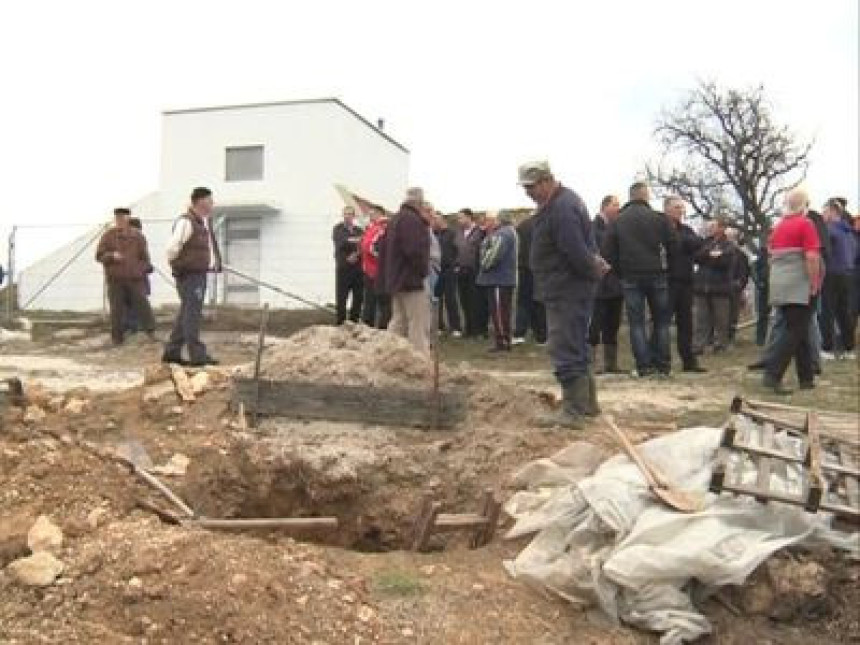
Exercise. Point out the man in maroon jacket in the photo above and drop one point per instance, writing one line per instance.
(404, 263)
(123, 252)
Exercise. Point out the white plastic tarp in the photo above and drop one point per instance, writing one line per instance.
(604, 539)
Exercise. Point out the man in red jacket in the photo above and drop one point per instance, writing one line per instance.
(405, 262)
(377, 305)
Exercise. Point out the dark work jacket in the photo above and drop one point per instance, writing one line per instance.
(469, 249)
(448, 244)
(404, 259)
(563, 251)
(681, 266)
(346, 241)
(129, 243)
(524, 247)
(714, 276)
(823, 237)
(740, 269)
(610, 285)
(640, 242)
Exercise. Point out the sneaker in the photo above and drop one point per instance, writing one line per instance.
(540, 343)
(518, 340)
(757, 366)
(456, 334)
(775, 386)
(828, 356)
(643, 373)
(694, 368)
(849, 356)
(175, 360)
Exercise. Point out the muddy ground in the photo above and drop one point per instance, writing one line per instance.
(129, 577)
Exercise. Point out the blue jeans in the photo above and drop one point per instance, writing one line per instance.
(652, 351)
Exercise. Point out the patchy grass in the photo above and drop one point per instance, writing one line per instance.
(392, 582)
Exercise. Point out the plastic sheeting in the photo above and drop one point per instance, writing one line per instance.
(604, 539)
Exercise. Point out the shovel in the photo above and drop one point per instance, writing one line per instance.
(660, 485)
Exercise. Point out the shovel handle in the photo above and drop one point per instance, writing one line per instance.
(631, 451)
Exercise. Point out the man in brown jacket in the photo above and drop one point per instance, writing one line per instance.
(123, 252)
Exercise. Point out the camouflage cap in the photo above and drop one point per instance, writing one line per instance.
(532, 172)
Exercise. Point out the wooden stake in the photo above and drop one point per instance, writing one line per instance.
(261, 342)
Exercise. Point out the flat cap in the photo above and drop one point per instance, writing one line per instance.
(532, 172)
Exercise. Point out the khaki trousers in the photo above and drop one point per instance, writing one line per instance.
(410, 317)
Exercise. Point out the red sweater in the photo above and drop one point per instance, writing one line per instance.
(369, 248)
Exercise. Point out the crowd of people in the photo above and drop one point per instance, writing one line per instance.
(566, 280)
(558, 278)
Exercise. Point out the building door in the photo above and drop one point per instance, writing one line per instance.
(242, 236)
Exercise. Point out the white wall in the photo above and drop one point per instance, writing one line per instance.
(307, 149)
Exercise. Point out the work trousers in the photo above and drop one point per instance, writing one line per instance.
(186, 328)
(606, 321)
(762, 312)
(377, 306)
(531, 314)
(713, 314)
(836, 313)
(500, 305)
(468, 292)
(449, 304)
(651, 350)
(349, 281)
(128, 297)
(410, 317)
(681, 307)
(735, 299)
(794, 343)
(567, 326)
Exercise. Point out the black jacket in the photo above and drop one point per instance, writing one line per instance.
(740, 269)
(715, 273)
(524, 233)
(610, 285)
(448, 244)
(346, 242)
(469, 249)
(563, 250)
(681, 265)
(640, 242)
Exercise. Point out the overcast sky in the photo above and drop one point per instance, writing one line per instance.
(471, 88)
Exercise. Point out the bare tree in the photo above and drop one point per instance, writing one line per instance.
(723, 152)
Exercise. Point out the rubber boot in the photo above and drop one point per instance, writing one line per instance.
(593, 407)
(610, 359)
(581, 395)
(567, 416)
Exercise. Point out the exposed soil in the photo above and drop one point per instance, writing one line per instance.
(131, 578)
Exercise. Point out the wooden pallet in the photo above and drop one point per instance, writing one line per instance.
(348, 403)
(828, 466)
(430, 520)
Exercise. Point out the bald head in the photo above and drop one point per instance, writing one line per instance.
(797, 201)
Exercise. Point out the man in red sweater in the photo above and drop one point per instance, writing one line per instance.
(377, 305)
(795, 278)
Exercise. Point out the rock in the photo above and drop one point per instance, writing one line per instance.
(177, 465)
(34, 414)
(156, 374)
(37, 570)
(95, 517)
(365, 613)
(200, 382)
(785, 590)
(76, 406)
(158, 391)
(44, 535)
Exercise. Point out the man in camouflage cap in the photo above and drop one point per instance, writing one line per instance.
(567, 267)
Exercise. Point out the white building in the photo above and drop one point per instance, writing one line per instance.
(273, 169)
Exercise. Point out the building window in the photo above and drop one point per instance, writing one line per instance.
(244, 163)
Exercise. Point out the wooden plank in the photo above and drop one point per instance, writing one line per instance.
(426, 524)
(765, 463)
(719, 474)
(761, 417)
(258, 363)
(492, 522)
(817, 485)
(487, 501)
(285, 523)
(349, 403)
(457, 522)
(852, 485)
(752, 450)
